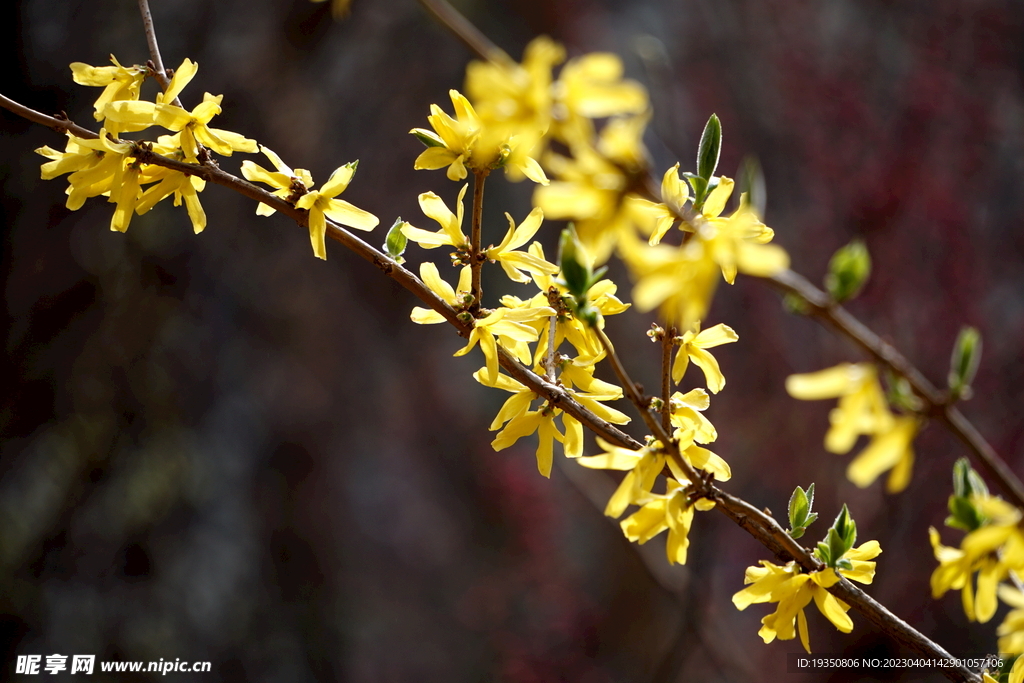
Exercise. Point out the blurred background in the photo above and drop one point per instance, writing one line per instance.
(218, 448)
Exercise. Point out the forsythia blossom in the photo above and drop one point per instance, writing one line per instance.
(793, 589)
(862, 409)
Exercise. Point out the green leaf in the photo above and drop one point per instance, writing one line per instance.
(848, 270)
(396, 241)
(798, 508)
(963, 365)
(709, 149)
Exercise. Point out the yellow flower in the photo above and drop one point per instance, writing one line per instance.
(453, 297)
(685, 410)
(517, 98)
(516, 420)
(793, 590)
(182, 186)
(118, 82)
(591, 86)
(463, 141)
(322, 203)
(992, 550)
(862, 406)
(515, 262)
(693, 345)
(679, 281)
(505, 323)
(450, 233)
(1011, 631)
(675, 192)
(671, 511)
(192, 125)
(288, 182)
(642, 466)
(595, 183)
(890, 449)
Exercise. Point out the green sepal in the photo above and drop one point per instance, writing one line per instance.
(844, 564)
(700, 188)
(426, 138)
(848, 271)
(709, 149)
(963, 364)
(396, 241)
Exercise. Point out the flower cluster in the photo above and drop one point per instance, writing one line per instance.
(992, 551)
(793, 589)
(109, 165)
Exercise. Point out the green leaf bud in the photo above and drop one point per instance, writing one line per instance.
(396, 241)
(575, 273)
(848, 271)
(964, 363)
(709, 149)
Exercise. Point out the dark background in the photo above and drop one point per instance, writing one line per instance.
(218, 448)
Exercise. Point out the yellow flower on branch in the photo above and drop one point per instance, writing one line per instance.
(514, 262)
(286, 181)
(993, 550)
(450, 233)
(693, 346)
(453, 297)
(118, 82)
(891, 450)
(793, 590)
(506, 324)
(183, 187)
(322, 204)
(465, 142)
(516, 419)
(862, 407)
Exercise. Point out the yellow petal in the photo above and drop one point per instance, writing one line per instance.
(342, 212)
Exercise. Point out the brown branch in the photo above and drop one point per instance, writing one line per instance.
(61, 125)
(158, 70)
(667, 336)
(462, 28)
(476, 256)
(633, 390)
(759, 525)
(822, 307)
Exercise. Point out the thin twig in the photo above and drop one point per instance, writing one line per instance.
(462, 28)
(632, 390)
(159, 72)
(667, 342)
(551, 358)
(476, 256)
(822, 307)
